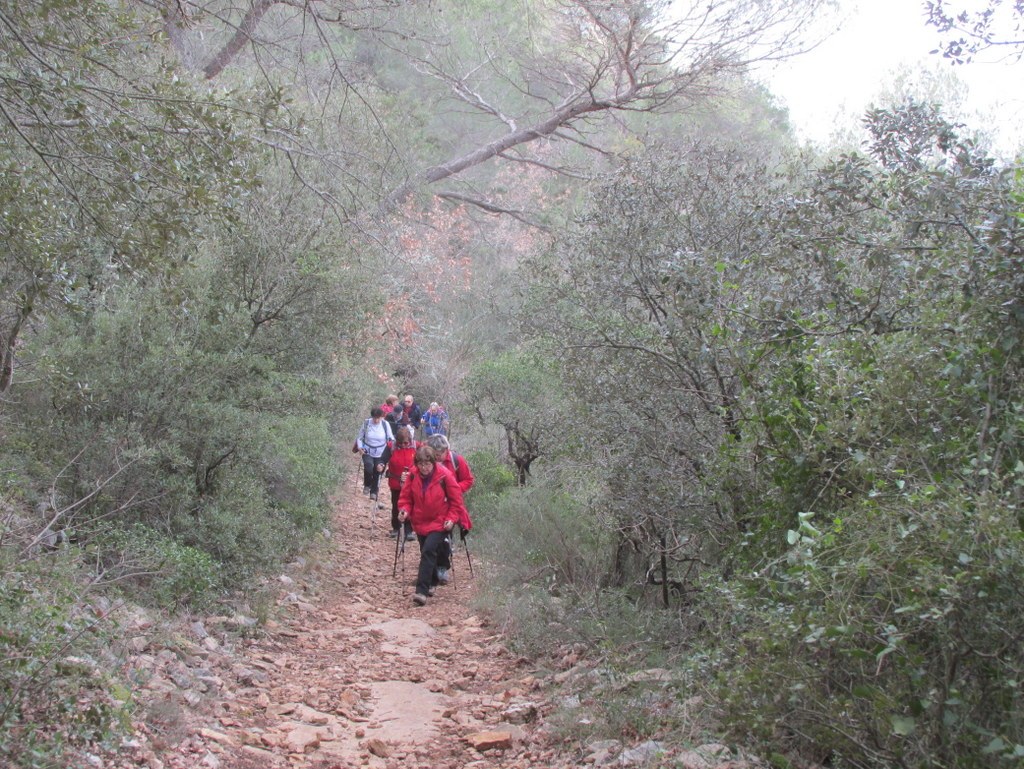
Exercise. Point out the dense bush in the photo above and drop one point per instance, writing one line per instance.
(55, 695)
(887, 638)
(542, 535)
(837, 354)
(492, 479)
(197, 404)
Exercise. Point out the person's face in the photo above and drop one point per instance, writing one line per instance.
(408, 401)
(425, 466)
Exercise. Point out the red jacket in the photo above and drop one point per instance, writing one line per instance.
(465, 478)
(440, 501)
(401, 459)
(463, 474)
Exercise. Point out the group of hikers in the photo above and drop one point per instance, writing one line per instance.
(427, 481)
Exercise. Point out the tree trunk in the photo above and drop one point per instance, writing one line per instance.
(9, 339)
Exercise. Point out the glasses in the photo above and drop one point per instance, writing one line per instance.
(424, 463)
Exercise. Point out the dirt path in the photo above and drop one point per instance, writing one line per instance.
(352, 674)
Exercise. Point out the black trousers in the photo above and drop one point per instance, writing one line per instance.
(371, 477)
(435, 551)
(395, 523)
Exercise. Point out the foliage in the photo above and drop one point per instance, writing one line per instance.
(108, 158)
(492, 480)
(501, 85)
(543, 536)
(54, 696)
(152, 566)
(887, 637)
(636, 303)
(996, 26)
(518, 391)
(200, 406)
(840, 348)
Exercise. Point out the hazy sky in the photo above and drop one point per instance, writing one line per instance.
(836, 82)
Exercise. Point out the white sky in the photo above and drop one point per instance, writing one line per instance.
(834, 84)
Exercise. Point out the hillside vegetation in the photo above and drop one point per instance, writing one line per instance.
(738, 410)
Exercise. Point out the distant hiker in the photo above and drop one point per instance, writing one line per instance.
(432, 500)
(395, 418)
(434, 421)
(373, 440)
(459, 468)
(413, 414)
(389, 404)
(400, 465)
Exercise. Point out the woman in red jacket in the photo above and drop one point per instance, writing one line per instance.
(432, 500)
(400, 465)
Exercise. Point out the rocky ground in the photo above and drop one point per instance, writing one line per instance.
(349, 673)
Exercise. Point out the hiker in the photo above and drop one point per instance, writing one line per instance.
(373, 440)
(400, 465)
(454, 462)
(389, 404)
(434, 421)
(464, 477)
(395, 418)
(432, 500)
(413, 414)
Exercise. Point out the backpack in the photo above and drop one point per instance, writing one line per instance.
(388, 435)
(463, 530)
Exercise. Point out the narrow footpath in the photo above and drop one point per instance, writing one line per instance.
(349, 673)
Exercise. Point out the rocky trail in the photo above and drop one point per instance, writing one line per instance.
(349, 673)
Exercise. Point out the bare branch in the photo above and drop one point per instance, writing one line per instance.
(493, 208)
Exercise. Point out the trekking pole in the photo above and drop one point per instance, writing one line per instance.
(399, 544)
(451, 559)
(403, 561)
(400, 551)
(465, 545)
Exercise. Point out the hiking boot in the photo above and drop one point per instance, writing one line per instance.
(430, 592)
(410, 536)
(366, 491)
(442, 576)
(373, 495)
(419, 599)
(393, 533)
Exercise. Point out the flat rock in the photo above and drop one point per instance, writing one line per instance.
(490, 740)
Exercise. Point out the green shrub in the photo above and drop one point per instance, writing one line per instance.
(887, 638)
(54, 694)
(540, 535)
(300, 469)
(492, 479)
(159, 570)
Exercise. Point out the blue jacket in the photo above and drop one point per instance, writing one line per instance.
(435, 424)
